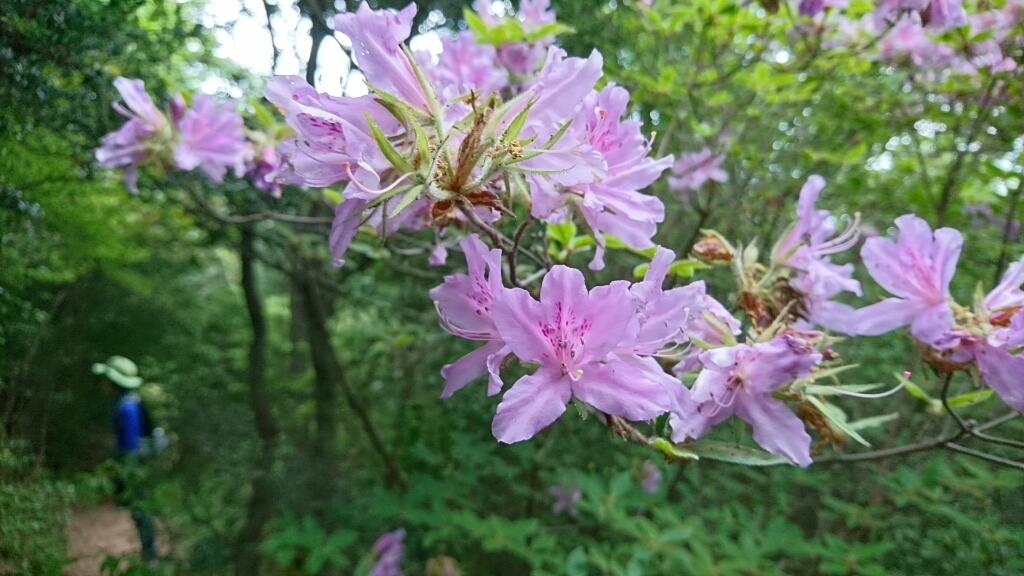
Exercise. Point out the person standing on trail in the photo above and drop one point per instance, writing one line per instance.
(120, 378)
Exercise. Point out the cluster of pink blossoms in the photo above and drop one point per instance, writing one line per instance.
(916, 268)
(209, 136)
(440, 138)
(910, 30)
(600, 347)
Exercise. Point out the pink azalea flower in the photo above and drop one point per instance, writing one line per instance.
(740, 380)
(1007, 295)
(946, 14)
(566, 498)
(465, 306)
(333, 138)
(706, 327)
(265, 161)
(462, 66)
(693, 170)
(377, 37)
(806, 247)
(520, 59)
(613, 204)
(347, 220)
(140, 105)
(887, 11)
(992, 348)
(811, 7)
(560, 88)
(907, 39)
(571, 333)
(652, 477)
(664, 317)
(1001, 371)
(917, 268)
(535, 13)
(128, 146)
(605, 187)
(391, 550)
(211, 139)
(351, 214)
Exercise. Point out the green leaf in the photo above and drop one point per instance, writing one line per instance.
(262, 114)
(552, 29)
(686, 268)
(873, 421)
(734, 453)
(576, 563)
(422, 145)
(969, 398)
(915, 390)
(513, 130)
(332, 196)
(837, 418)
(557, 136)
(837, 390)
(396, 159)
(673, 450)
(474, 22)
(563, 233)
(408, 199)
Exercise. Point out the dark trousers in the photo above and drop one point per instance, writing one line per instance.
(131, 495)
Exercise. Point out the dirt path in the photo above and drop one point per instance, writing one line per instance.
(94, 533)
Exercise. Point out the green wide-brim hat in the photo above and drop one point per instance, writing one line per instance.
(120, 371)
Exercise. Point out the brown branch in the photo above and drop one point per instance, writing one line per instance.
(1004, 245)
(951, 176)
(269, 9)
(330, 371)
(516, 239)
(211, 211)
(970, 427)
(261, 499)
(985, 456)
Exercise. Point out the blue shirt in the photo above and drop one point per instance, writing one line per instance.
(128, 425)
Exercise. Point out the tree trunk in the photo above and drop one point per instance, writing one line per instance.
(298, 359)
(261, 502)
(329, 375)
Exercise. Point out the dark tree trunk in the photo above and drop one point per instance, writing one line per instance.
(261, 502)
(329, 376)
(298, 360)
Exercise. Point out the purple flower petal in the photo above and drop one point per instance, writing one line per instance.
(530, 405)
(1002, 372)
(776, 428)
(887, 315)
(469, 367)
(619, 389)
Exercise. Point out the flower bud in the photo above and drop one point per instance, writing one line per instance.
(713, 247)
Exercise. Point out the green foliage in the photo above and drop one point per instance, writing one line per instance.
(303, 543)
(33, 512)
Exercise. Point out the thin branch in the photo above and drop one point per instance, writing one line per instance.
(516, 240)
(499, 239)
(270, 9)
(264, 215)
(970, 426)
(951, 176)
(985, 456)
(998, 421)
(1004, 245)
(888, 452)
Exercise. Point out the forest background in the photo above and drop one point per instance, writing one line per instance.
(303, 400)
